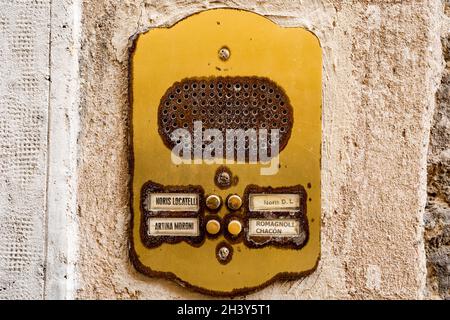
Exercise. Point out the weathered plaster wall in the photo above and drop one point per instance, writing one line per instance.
(24, 103)
(382, 61)
(64, 214)
(437, 217)
(39, 42)
(62, 222)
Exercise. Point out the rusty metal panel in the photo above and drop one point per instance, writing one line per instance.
(224, 217)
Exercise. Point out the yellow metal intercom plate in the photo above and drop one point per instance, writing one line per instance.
(230, 69)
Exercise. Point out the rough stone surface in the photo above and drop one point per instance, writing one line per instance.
(24, 90)
(437, 216)
(381, 71)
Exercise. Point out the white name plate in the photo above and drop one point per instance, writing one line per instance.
(186, 227)
(274, 202)
(172, 202)
(274, 227)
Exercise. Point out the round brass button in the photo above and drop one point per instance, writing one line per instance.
(234, 202)
(213, 202)
(213, 226)
(234, 227)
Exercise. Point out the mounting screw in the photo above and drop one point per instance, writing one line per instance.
(224, 53)
(223, 253)
(224, 179)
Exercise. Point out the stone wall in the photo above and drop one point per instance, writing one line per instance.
(437, 217)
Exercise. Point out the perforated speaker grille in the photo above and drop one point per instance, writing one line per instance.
(226, 103)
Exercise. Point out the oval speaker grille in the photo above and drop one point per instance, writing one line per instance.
(226, 103)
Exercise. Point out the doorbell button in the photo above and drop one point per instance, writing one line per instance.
(234, 227)
(234, 202)
(213, 227)
(213, 202)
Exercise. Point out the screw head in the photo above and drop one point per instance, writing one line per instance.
(224, 53)
(224, 179)
(223, 253)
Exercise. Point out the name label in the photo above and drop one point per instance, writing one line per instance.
(274, 227)
(186, 227)
(172, 202)
(274, 202)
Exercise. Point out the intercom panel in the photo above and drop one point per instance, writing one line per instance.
(226, 150)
